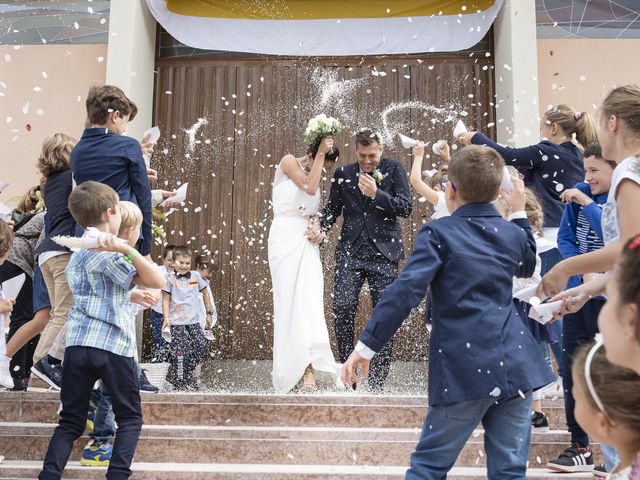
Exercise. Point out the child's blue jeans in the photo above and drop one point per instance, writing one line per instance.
(447, 428)
(160, 350)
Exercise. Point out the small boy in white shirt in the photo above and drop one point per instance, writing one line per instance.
(160, 348)
(181, 299)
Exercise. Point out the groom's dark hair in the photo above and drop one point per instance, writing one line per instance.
(366, 137)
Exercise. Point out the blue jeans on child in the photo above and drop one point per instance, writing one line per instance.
(104, 425)
(160, 350)
(447, 428)
(548, 259)
(83, 366)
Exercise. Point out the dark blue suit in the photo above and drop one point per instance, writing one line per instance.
(117, 161)
(369, 248)
(477, 342)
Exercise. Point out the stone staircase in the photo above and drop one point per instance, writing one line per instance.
(257, 437)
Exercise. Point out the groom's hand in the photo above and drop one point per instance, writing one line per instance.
(367, 185)
(349, 368)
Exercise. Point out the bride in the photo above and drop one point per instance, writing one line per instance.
(300, 337)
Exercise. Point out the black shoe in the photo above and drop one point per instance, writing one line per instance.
(52, 374)
(20, 384)
(539, 422)
(146, 385)
(599, 471)
(573, 459)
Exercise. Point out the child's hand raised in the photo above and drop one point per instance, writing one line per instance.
(515, 199)
(418, 150)
(6, 306)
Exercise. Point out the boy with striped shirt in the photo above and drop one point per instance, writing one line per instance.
(581, 232)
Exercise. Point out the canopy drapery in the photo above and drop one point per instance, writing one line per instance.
(327, 27)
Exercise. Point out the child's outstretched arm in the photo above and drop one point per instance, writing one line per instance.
(166, 298)
(416, 176)
(147, 273)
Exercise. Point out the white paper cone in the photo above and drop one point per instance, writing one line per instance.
(154, 134)
(208, 334)
(166, 334)
(179, 197)
(429, 173)
(528, 294)
(543, 313)
(436, 147)
(459, 129)
(407, 142)
(506, 184)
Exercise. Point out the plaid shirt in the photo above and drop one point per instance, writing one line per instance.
(100, 316)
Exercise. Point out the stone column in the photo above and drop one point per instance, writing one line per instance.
(130, 66)
(131, 57)
(516, 74)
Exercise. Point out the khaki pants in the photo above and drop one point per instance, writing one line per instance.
(61, 301)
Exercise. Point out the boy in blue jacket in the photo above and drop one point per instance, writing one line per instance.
(581, 232)
(483, 363)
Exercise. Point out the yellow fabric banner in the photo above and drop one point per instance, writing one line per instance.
(324, 9)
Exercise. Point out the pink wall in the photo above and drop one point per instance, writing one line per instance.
(49, 105)
(580, 72)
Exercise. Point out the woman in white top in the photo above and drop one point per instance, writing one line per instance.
(619, 137)
(300, 336)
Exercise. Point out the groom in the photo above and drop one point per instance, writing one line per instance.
(370, 194)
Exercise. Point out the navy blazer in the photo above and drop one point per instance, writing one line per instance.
(548, 168)
(117, 161)
(479, 348)
(376, 218)
(55, 193)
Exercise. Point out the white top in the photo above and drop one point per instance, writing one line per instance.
(627, 169)
(440, 208)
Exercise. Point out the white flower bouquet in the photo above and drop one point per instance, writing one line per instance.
(321, 126)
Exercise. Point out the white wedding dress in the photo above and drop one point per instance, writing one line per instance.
(300, 335)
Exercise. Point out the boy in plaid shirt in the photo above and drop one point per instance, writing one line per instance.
(101, 334)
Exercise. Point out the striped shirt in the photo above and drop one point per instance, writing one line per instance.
(100, 316)
(588, 239)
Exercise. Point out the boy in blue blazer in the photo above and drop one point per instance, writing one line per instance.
(483, 362)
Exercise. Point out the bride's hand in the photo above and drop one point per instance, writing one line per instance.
(326, 145)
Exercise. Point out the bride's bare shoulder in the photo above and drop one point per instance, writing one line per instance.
(287, 162)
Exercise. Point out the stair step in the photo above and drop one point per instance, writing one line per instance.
(208, 471)
(257, 410)
(265, 445)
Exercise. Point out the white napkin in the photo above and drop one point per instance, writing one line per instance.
(179, 197)
(407, 142)
(459, 129)
(90, 239)
(429, 173)
(436, 147)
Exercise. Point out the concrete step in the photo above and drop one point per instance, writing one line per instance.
(201, 409)
(267, 445)
(208, 471)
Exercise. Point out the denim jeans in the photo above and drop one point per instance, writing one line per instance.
(160, 350)
(548, 259)
(104, 425)
(579, 328)
(83, 366)
(447, 428)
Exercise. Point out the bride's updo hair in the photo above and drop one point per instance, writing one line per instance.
(331, 156)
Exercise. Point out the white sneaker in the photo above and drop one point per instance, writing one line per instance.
(5, 374)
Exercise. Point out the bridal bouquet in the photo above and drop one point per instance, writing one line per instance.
(319, 127)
